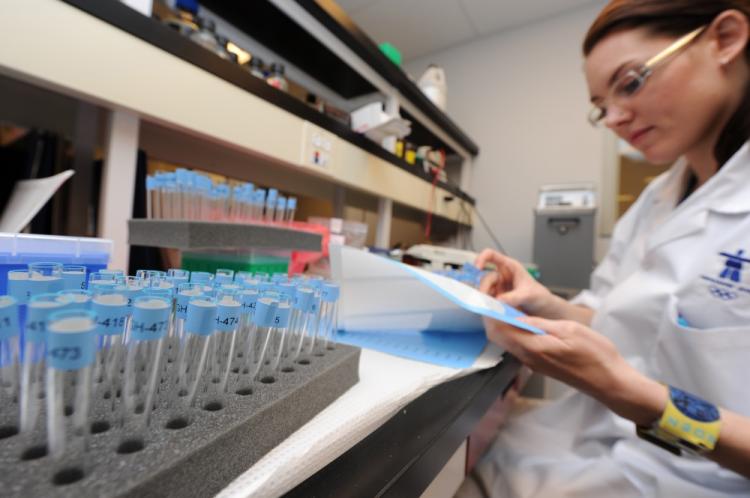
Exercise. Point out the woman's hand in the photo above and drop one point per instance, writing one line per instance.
(512, 284)
(586, 360)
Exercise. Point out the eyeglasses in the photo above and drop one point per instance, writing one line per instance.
(630, 83)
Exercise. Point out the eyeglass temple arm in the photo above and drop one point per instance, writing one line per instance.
(674, 47)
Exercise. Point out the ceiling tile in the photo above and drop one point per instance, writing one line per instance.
(415, 27)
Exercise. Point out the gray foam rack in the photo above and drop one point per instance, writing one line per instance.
(224, 436)
(185, 234)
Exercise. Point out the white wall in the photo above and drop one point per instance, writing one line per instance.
(521, 95)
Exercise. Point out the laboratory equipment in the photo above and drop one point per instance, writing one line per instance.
(74, 276)
(276, 77)
(9, 351)
(438, 258)
(33, 368)
(564, 235)
(199, 327)
(18, 250)
(110, 306)
(329, 297)
(224, 340)
(143, 366)
(70, 358)
(271, 318)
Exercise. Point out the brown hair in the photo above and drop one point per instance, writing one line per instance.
(676, 18)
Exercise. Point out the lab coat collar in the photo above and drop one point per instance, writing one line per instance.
(728, 192)
(729, 189)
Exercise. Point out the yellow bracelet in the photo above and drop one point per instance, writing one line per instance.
(689, 419)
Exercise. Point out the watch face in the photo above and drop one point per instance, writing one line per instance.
(693, 407)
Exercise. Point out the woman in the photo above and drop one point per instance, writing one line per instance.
(672, 77)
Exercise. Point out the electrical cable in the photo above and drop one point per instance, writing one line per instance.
(489, 231)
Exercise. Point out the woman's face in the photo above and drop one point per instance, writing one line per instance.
(678, 107)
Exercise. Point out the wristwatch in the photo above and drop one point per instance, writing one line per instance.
(688, 424)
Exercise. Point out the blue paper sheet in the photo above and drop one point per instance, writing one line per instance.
(455, 350)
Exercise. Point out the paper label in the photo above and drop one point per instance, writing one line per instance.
(74, 280)
(227, 318)
(201, 320)
(249, 300)
(9, 326)
(36, 322)
(149, 323)
(271, 314)
(110, 319)
(70, 350)
(181, 305)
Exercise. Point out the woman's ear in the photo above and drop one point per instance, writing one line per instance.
(729, 33)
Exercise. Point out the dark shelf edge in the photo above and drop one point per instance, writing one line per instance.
(340, 24)
(151, 31)
(182, 234)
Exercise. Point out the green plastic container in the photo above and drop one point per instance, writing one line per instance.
(268, 263)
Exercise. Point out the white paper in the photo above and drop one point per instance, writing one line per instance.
(381, 294)
(386, 385)
(28, 198)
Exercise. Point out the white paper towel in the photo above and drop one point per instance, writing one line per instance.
(387, 384)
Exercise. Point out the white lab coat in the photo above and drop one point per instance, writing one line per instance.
(667, 260)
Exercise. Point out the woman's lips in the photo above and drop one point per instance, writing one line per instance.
(638, 135)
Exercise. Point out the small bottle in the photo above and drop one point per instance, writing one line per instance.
(257, 68)
(184, 18)
(224, 53)
(276, 78)
(206, 37)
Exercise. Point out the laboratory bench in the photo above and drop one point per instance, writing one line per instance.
(403, 456)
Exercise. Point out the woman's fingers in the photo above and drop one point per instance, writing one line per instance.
(490, 256)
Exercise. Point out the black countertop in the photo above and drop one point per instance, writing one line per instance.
(402, 457)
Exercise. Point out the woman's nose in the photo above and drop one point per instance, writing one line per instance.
(617, 115)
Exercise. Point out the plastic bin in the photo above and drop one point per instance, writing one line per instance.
(267, 261)
(18, 250)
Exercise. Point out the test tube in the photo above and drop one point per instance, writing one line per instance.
(18, 285)
(300, 319)
(202, 277)
(74, 277)
(10, 332)
(229, 308)
(291, 208)
(271, 204)
(178, 276)
(143, 365)
(329, 297)
(40, 307)
(272, 319)
(185, 292)
(199, 327)
(224, 276)
(44, 277)
(77, 299)
(280, 214)
(313, 319)
(247, 332)
(102, 279)
(112, 313)
(70, 357)
(150, 188)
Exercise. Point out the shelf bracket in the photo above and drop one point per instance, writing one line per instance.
(383, 230)
(118, 183)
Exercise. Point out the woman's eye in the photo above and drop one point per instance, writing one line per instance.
(629, 86)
